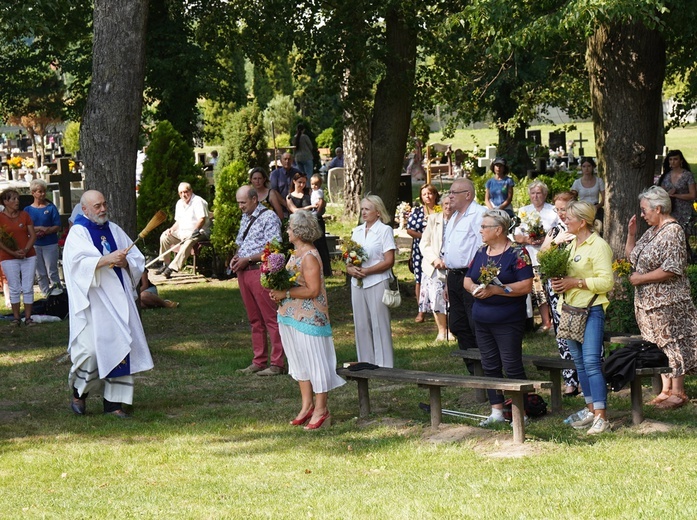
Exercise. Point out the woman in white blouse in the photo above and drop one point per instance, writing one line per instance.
(371, 317)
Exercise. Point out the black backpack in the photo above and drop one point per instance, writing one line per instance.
(535, 406)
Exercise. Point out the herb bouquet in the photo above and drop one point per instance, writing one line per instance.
(554, 262)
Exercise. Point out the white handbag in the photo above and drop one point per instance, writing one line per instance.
(391, 297)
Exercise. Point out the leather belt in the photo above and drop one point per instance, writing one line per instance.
(252, 267)
(461, 271)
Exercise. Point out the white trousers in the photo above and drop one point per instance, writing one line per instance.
(371, 319)
(20, 277)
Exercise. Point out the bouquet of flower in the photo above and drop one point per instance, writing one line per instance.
(488, 275)
(274, 274)
(532, 223)
(403, 210)
(353, 254)
(621, 267)
(15, 162)
(28, 162)
(44, 170)
(7, 239)
(554, 262)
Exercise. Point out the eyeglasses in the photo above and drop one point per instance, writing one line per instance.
(451, 192)
(484, 226)
(559, 210)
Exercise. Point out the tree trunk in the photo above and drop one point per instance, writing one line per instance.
(626, 64)
(111, 122)
(392, 110)
(356, 152)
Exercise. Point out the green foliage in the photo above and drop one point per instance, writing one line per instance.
(214, 116)
(169, 161)
(326, 139)
(560, 181)
(282, 141)
(245, 137)
(227, 214)
(71, 137)
(554, 262)
(281, 112)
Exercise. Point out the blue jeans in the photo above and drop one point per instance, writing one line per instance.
(588, 358)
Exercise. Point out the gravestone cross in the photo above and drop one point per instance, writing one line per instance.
(64, 177)
(580, 142)
(485, 162)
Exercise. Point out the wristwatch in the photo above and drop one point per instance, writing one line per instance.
(580, 283)
(288, 293)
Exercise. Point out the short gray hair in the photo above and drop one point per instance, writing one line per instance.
(501, 218)
(657, 196)
(305, 226)
(36, 184)
(539, 184)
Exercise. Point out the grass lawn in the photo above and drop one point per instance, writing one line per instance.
(208, 442)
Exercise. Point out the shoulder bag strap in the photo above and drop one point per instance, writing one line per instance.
(251, 221)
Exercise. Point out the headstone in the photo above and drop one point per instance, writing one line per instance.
(485, 162)
(557, 139)
(64, 177)
(580, 141)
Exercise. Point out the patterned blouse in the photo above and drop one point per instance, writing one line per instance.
(662, 248)
(311, 315)
(682, 209)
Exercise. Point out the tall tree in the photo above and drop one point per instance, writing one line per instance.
(111, 122)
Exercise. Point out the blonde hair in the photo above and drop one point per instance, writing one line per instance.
(582, 210)
(380, 207)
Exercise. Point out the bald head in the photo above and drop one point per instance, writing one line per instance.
(247, 199)
(94, 206)
(461, 194)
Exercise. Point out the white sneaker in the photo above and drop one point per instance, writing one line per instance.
(491, 420)
(600, 425)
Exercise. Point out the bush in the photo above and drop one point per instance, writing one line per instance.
(227, 215)
(245, 138)
(281, 111)
(71, 138)
(326, 139)
(169, 161)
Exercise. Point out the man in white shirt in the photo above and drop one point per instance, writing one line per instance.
(191, 224)
(461, 241)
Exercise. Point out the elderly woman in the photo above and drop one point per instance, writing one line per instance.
(432, 297)
(499, 278)
(303, 321)
(415, 227)
(662, 303)
(47, 223)
(499, 189)
(268, 197)
(17, 254)
(559, 236)
(371, 317)
(524, 235)
(587, 283)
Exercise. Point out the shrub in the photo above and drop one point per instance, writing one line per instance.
(227, 215)
(281, 111)
(71, 138)
(326, 139)
(169, 161)
(245, 138)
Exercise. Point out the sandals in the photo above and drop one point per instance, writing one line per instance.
(659, 398)
(673, 402)
(29, 322)
(16, 323)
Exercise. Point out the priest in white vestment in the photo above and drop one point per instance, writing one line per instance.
(107, 343)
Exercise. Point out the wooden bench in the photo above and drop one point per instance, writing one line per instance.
(555, 366)
(514, 388)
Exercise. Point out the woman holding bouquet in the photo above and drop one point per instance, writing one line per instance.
(537, 218)
(303, 322)
(499, 278)
(588, 281)
(371, 317)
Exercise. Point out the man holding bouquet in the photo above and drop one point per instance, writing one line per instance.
(258, 227)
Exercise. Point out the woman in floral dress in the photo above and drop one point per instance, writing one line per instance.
(678, 181)
(662, 303)
(416, 224)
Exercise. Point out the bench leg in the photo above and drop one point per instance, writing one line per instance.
(555, 377)
(436, 406)
(518, 417)
(479, 393)
(363, 398)
(637, 401)
(657, 383)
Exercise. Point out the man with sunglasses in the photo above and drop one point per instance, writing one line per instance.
(460, 243)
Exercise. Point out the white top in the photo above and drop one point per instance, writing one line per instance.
(378, 240)
(591, 195)
(462, 237)
(315, 197)
(549, 219)
(187, 215)
(431, 243)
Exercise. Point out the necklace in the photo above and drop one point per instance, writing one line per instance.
(491, 253)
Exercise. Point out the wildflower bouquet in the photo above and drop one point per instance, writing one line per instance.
(532, 223)
(621, 267)
(554, 262)
(488, 275)
(7, 239)
(353, 254)
(274, 274)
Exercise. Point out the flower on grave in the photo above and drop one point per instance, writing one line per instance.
(71, 165)
(28, 162)
(15, 162)
(44, 170)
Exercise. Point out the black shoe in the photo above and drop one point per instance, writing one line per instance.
(78, 406)
(161, 269)
(167, 272)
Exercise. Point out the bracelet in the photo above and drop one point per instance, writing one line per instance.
(288, 293)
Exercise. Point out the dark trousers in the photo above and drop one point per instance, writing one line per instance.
(501, 346)
(460, 312)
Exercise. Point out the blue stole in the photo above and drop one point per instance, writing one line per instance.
(104, 241)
